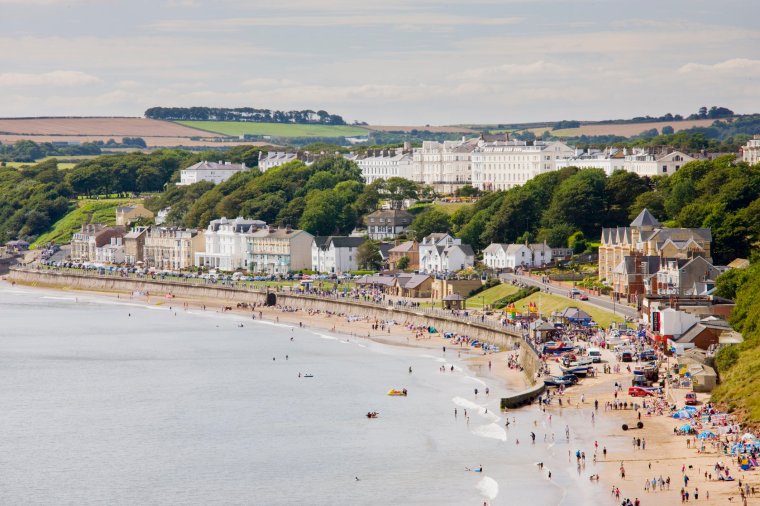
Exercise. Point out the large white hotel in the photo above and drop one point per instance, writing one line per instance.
(502, 165)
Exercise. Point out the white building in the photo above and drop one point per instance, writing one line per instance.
(111, 253)
(385, 164)
(227, 244)
(502, 165)
(335, 254)
(443, 253)
(279, 250)
(171, 248)
(644, 163)
(751, 152)
(210, 171)
(609, 160)
(446, 166)
(274, 159)
(511, 256)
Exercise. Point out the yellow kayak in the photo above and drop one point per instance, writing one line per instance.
(397, 392)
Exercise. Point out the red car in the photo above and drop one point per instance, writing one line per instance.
(640, 392)
(691, 399)
(583, 297)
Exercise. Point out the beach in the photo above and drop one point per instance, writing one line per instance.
(588, 427)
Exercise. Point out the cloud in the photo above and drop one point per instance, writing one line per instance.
(55, 78)
(743, 65)
(319, 21)
(507, 70)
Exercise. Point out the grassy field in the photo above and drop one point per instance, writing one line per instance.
(548, 303)
(236, 128)
(61, 165)
(624, 129)
(87, 211)
(491, 295)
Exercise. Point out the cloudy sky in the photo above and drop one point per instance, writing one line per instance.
(382, 61)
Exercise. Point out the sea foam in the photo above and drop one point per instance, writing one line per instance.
(491, 431)
(488, 488)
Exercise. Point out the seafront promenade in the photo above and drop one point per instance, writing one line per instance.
(459, 322)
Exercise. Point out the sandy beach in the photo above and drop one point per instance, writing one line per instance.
(665, 454)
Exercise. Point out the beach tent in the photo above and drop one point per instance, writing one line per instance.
(706, 434)
(693, 409)
(747, 436)
(685, 427)
(682, 414)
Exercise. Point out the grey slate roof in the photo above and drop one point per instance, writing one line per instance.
(645, 219)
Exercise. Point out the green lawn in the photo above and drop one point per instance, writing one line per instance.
(548, 303)
(237, 128)
(87, 211)
(491, 295)
(61, 165)
(450, 207)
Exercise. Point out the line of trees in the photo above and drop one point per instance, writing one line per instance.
(306, 116)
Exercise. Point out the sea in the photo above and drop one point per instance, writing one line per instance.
(117, 402)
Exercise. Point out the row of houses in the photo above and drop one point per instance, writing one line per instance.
(252, 245)
(498, 256)
(487, 162)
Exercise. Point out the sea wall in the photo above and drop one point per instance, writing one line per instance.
(503, 338)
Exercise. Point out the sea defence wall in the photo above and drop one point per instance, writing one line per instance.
(522, 398)
(503, 338)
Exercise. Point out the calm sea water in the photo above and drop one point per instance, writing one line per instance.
(100, 407)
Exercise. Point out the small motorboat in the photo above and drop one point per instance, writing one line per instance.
(577, 370)
(372, 414)
(401, 393)
(308, 375)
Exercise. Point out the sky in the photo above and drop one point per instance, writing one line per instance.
(386, 62)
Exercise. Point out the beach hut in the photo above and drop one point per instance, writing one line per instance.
(453, 301)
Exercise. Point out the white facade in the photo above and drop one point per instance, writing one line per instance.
(227, 244)
(443, 253)
(608, 160)
(274, 159)
(646, 164)
(751, 152)
(335, 254)
(385, 165)
(111, 253)
(502, 165)
(444, 165)
(512, 256)
(210, 171)
(279, 251)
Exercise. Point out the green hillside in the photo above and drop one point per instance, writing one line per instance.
(87, 211)
(237, 128)
(491, 295)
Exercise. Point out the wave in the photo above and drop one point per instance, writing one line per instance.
(55, 298)
(488, 488)
(462, 402)
(491, 431)
(437, 359)
(476, 380)
(325, 336)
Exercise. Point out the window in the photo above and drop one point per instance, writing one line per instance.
(664, 168)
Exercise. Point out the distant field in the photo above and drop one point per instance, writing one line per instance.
(156, 133)
(87, 211)
(237, 128)
(624, 130)
(61, 165)
(426, 128)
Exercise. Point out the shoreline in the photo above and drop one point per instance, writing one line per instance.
(665, 453)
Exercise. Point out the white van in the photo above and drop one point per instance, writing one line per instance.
(595, 354)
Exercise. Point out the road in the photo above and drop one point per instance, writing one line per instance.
(602, 302)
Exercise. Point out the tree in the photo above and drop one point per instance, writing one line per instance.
(428, 222)
(402, 263)
(398, 189)
(467, 191)
(577, 242)
(654, 201)
(667, 130)
(368, 256)
(621, 190)
(579, 201)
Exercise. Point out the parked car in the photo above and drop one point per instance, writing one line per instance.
(583, 297)
(640, 392)
(595, 354)
(691, 399)
(626, 356)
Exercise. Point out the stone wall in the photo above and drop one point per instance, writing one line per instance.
(229, 296)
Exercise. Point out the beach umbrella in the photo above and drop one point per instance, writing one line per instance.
(706, 434)
(748, 435)
(690, 408)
